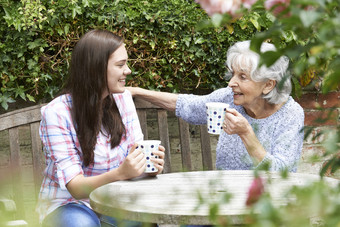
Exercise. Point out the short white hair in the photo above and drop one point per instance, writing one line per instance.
(239, 55)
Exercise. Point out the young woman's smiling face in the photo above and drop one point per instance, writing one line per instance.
(117, 70)
(246, 91)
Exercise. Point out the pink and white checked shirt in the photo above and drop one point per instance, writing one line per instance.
(63, 153)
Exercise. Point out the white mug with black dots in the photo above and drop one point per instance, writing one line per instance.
(148, 147)
(215, 116)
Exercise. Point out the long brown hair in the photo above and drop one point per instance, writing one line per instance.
(86, 84)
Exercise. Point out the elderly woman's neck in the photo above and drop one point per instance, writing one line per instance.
(263, 110)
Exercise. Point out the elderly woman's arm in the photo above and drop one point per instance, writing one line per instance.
(163, 99)
(189, 107)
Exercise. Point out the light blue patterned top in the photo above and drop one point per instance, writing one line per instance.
(281, 134)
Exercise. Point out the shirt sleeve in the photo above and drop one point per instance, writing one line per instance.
(192, 109)
(287, 146)
(58, 137)
(136, 128)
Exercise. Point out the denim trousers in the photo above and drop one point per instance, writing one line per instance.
(79, 215)
(196, 225)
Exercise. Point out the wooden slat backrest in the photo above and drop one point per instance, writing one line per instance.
(185, 144)
(37, 157)
(15, 167)
(206, 148)
(20, 117)
(12, 121)
(184, 135)
(163, 129)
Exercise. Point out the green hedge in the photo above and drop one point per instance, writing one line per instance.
(167, 50)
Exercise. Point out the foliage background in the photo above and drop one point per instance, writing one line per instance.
(166, 50)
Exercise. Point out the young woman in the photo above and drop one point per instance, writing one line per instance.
(89, 133)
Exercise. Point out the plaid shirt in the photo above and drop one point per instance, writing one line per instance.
(63, 153)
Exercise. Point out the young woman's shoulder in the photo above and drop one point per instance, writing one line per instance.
(125, 95)
(59, 105)
(124, 100)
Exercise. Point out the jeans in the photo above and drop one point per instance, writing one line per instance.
(79, 215)
(196, 225)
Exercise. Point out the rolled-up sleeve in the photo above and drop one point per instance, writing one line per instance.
(131, 112)
(192, 109)
(58, 139)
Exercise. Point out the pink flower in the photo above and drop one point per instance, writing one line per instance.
(277, 6)
(224, 6)
(255, 191)
(248, 3)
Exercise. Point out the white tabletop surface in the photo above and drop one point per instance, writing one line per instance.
(174, 198)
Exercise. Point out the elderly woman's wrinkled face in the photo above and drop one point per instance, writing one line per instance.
(246, 91)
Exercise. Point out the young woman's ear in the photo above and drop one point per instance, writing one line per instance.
(270, 84)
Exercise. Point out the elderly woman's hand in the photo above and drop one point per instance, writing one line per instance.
(158, 162)
(235, 123)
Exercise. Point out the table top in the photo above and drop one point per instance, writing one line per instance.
(176, 198)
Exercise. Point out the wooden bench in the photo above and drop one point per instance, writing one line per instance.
(143, 108)
(12, 123)
(28, 119)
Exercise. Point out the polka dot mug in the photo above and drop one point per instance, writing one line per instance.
(148, 147)
(215, 116)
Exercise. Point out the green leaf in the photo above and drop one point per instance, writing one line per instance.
(4, 105)
(76, 10)
(187, 41)
(331, 81)
(34, 44)
(31, 64)
(200, 40)
(5, 99)
(255, 23)
(216, 19)
(297, 87)
(85, 3)
(152, 44)
(20, 91)
(270, 57)
(309, 17)
(66, 28)
(30, 97)
(135, 39)
(243, 24)
(256, 42)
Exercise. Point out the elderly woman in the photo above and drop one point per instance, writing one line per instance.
(264, 125)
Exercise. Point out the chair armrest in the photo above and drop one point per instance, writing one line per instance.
(7, 206)
(16, 223)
